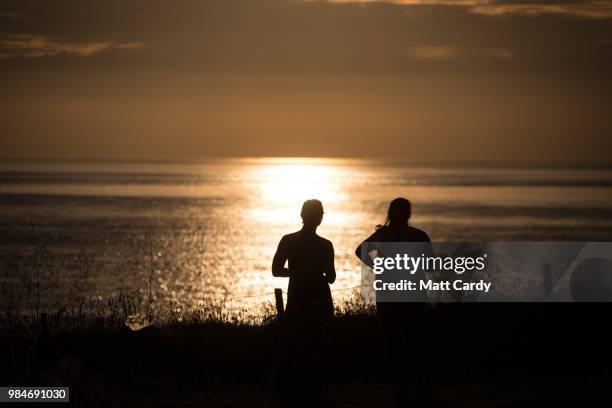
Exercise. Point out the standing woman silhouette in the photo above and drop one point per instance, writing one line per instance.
(301, 368)
(395, 229)
(401, 322)
(310, 260)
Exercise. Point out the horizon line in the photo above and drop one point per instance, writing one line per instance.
(382, 159)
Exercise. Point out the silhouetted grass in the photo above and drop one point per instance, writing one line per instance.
(45, 280)
(203, 358)
(205, 354)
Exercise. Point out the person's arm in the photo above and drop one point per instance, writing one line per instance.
(330, 274)
(366, 258)
(280, 258)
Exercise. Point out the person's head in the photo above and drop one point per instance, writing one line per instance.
(312, 213)
(399, 212)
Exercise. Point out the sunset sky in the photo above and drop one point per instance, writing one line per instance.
(416, 79)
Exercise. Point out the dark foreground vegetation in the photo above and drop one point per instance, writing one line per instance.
(133, 351)
(475, 355)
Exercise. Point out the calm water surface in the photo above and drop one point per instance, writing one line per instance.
(202, 230)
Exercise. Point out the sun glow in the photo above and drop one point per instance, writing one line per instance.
(285, 185)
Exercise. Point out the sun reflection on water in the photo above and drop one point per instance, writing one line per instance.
(284, 186)
(214, 227)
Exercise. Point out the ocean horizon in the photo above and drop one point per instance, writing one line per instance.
(208, 230)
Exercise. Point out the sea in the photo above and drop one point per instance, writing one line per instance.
(204, 231)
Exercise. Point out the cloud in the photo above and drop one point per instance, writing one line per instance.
(433, 53)
(447, 53)
(36, 46)
(584, 9)
(10, 15)
(499, 53)
(418, 2)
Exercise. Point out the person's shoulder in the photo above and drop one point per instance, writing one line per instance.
(380, 231)
(290, 237)
(418, 234)
(381, 228)
(325, 241)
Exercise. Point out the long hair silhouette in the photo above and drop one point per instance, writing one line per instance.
(402, 322)
(398, 214)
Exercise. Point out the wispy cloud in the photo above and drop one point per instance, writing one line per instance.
(36, 46)
(433, 53)
(499, 53)
(584, 8)
(447, 53)
(10, 14)
(417, 2)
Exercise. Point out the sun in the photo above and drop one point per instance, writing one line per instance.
(285, 184)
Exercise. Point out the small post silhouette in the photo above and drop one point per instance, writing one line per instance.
(280, 309)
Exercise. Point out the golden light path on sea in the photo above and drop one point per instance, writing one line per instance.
(278, 188)
(285, 184)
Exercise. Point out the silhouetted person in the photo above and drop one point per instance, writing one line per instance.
(310, 268)
(301, 362)
(401, 322)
